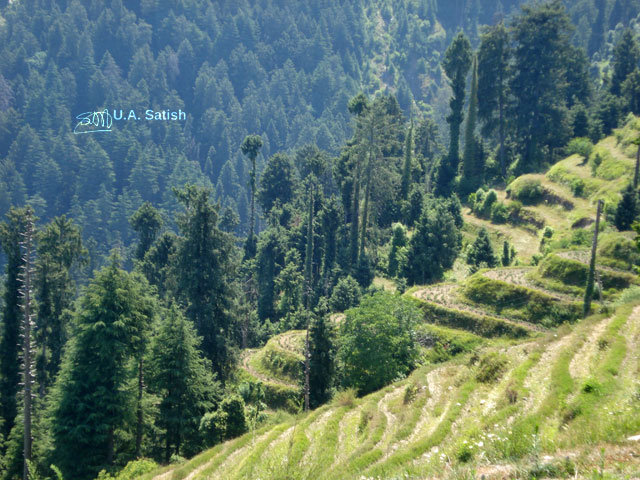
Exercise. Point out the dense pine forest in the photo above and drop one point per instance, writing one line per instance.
(172, 284)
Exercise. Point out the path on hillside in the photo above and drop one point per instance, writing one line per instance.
(245, 361)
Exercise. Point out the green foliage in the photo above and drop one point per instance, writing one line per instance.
(500, 213)
(205, 267)
(482, 325)
(480, 252)
(377, 342)
(445, 343)
(626, 56)
(456, 65)
(527, 190)
(627, 209)
(10, 237)
(322, 353)
(278, 183)
(581, 146)
(90, 397)
(133, 470)
(491, 367)
(181, 378)
(572, 272)
(434, 246)
(397, 254)
(346, 294)
(519, 302)
(147, 222)
(494, 55)
(620, 249)
(541, 60)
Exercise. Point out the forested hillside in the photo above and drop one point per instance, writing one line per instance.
(172, 283)
(281, 70)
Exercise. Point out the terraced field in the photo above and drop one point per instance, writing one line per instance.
(454, 423)
(565, 401)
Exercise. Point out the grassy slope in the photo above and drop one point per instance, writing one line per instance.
(565, 404)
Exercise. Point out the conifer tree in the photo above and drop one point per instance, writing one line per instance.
(472, 170)
(408, 160)
(321, 360)
(481, 251)
(10, 343)
(596, 40)
(90, 400)
(205, 270)
(434, 246)
(26, 277)
(456, 65)
(541, 35)
(494, 74)
(147, 222)
(626, 56)
(251, 147)
(59, 250)
(181, 377)
(506, 254)
(627, 209)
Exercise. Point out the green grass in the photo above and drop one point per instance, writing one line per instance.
(520, 302)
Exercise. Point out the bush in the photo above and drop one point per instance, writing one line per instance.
(619, 248)
(377, 342)
(527, 190)
(581, 146)
(499, 213)
(133, 469)
(346, 294)
(491, 367)
(577, 187)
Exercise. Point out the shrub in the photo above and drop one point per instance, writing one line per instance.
(377, 342)
(581, 146)
(619, 248)
(527, 190)
(133, 469)
(464, 453)
(487, 204)
(499, 213)
(410, 393)
(577, 187)
(346, 294)
(491, 367)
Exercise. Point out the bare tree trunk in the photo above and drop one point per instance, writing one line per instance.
(26, 332)
(637, 171)
(592, 264)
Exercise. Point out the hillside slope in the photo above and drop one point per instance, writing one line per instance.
(533, 392)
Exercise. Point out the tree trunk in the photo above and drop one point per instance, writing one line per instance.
(355, 214)
(592, 264)
(503, 166)
(139, 424)
(637, 171)
(26, 347)
(253, 197)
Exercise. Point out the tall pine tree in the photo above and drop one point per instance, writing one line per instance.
(456, 65)
(205, 267)
(91, 401)
(10, 343)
